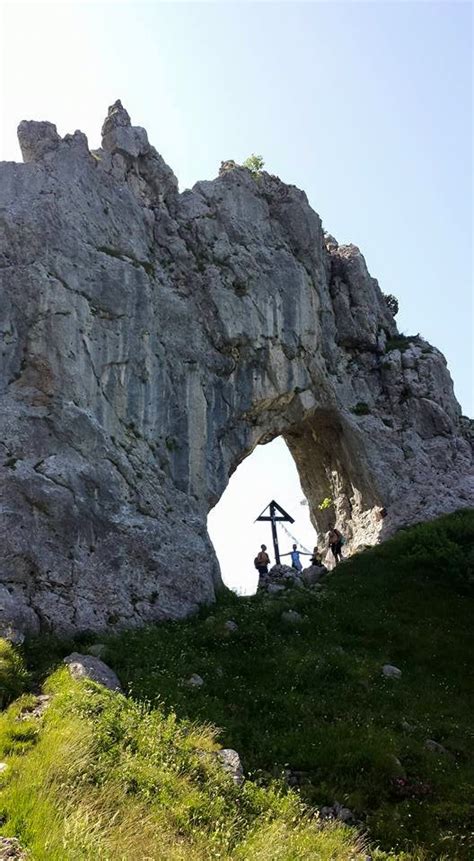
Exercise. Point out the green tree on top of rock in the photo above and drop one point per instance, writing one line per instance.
(254, 163)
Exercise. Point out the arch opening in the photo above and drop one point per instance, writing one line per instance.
(268, 472)
(316, 469)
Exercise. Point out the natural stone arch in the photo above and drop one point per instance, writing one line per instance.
(150, 340)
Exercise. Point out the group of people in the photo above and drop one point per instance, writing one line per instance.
(335, 541)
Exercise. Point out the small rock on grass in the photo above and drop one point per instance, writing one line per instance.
(231, 626)
(230, 761)
(10, 850)
(195, 681)
(436, 747)
(89, 667)
(391, 672)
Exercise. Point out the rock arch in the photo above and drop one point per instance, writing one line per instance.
(150, 340)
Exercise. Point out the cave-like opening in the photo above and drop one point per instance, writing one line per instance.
(321, 460)
(269, 472)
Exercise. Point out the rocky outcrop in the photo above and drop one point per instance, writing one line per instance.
(150, 340)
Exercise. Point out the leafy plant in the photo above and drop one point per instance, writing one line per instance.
(13, 674)
(361, 409)
(400, 342)
(254, 163)
(326, 503)
(391, 302)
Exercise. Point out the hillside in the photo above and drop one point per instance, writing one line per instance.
(306, 705)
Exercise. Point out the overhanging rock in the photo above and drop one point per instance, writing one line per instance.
(150, 340)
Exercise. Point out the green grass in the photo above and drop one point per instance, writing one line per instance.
(105, 774)
(104, 777)
(13, 674)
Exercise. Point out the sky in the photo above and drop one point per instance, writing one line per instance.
(365, 105)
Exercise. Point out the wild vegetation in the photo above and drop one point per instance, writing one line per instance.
(101, 775)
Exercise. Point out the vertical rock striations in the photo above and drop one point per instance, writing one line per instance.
(150, 340)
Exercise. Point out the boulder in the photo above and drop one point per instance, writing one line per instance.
(275, 588)
(230, 761)
(313, 574)
(11, 850)
(90, 667)
(391, 672)
(436, 747)
(195, 681)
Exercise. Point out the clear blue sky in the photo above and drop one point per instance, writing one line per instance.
(367, 106)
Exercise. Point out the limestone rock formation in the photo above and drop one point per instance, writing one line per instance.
(150, 340)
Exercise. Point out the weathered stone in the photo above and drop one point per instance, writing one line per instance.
(36, 709)
(11, 850)
(231, 626)
(150, 341)
(436, 747)
(3, 767)
(313, 574)
(275, 588)
(195, 681)
(230, 761)
(391, 672)
(89, 667)
(37, 139)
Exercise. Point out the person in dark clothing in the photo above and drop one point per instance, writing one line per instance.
(335, 543)
(262, 560)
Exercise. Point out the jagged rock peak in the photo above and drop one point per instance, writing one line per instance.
(150, 341)
(117, 117)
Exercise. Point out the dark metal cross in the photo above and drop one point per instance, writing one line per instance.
(273, 517)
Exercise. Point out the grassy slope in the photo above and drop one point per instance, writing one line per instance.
(311, 698)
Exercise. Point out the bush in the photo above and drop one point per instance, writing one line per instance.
(254, 163)
(400, 342)
(13, 674)
(391, 302)
(361, 409)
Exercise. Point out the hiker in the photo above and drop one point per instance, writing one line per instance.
(262, 560)
(295, 558)
(335, 543)
(317, 557)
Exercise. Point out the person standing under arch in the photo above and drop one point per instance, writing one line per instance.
(295, 557)
(262, 560)
(335, 543)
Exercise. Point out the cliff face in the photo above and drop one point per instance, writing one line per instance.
(150, 340)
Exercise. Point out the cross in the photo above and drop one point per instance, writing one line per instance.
(273, 517)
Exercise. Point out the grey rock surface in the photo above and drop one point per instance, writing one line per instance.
(436, 747)
(11, 850)
(391, 672)
(89, 667)
(195, 681)
(150, 340)
(313, 574)
(230, 761)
